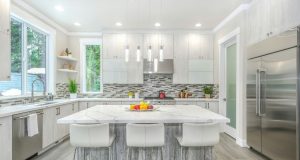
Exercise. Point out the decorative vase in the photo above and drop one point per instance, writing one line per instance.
(207, 95)
(73, 95)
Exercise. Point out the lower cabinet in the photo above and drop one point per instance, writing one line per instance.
(6, 138)
(212, 106)
(52, 131)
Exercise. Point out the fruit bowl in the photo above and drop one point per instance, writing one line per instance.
(142, 107)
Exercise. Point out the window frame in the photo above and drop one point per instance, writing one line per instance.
(83, 43)
(24, 54)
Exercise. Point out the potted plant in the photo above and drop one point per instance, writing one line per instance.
(73, 89)
(208, 90)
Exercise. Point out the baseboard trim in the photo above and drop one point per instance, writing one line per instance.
(241, 142)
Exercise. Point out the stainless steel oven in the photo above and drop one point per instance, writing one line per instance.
(25, 147)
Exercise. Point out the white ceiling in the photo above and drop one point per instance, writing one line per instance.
(97, 15)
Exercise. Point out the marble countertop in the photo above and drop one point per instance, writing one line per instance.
(164, 114)
(16, 109)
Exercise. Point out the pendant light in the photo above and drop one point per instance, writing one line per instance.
(127, 45)
(150, 53)
(155, 65)
(127, 54)
(138, 54)
(161, 53)
(161, 47)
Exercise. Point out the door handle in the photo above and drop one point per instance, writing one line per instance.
(257, 93)
(224, 99)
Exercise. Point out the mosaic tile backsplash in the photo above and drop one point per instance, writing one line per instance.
(153, 83)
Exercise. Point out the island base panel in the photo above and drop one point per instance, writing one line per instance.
(171, 150)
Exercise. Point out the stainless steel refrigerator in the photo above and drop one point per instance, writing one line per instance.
(272, 101)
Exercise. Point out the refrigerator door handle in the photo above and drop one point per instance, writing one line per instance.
(257, 109)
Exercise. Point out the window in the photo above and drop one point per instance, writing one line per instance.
(28, 59)
(91, 62)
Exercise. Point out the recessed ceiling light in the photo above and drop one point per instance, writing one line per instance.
(119, 24)
(59, 8)
(77, 24)
(198, 25)
(157, 24)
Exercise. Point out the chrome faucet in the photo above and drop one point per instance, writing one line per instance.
(32, 89)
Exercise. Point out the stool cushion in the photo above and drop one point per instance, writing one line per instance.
(197, 135)
(95, 135)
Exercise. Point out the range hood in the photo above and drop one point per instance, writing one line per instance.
(157, 67)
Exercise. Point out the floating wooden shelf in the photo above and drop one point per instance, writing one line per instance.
(67, 70)
(67, 58)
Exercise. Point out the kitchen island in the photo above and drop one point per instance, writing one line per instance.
(171, 115)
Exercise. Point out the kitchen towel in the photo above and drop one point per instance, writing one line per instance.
(32, 125)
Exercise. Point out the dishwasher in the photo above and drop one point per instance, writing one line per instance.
(25, 147)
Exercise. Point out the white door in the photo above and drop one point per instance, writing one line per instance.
(228, 91)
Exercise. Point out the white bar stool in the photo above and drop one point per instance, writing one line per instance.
(145, 135)
(198, 135)
(92, 136)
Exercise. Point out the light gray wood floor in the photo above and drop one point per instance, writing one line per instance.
(227, 149)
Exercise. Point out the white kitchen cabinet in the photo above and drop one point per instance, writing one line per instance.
(115, 69)
(200, 46)
(52, 131)
(181, 50)
(6, 138)
(114, 46)
(157, 40)
(212, 106)
(193, 62)
(49, 126)
(200, 77)
(135, 73)
(266, 18)
(5, 45)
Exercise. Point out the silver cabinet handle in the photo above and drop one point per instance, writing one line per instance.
(73, 107)
(208, 105)
(57, 111)
(1, 124)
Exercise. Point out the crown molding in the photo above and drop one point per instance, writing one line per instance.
(233, 14)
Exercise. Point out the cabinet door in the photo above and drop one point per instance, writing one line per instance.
(83, 106)
(65, 110)
(167, 41)
(258, 21)
(135, 72)
(195, 41)
(5, 40)
(207, 47)
(201, 77)
(284, 14)
(181, 51)
(213, 106)
(49, 126)
(6, 138)
(201, 104)
(151, 40)
(108, 46)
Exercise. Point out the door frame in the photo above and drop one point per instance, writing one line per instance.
(239, 132)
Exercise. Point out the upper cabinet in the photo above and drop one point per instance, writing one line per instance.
(115, 69)
(156, 41)
(193, 58)
(5, 40)
(267, 18)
